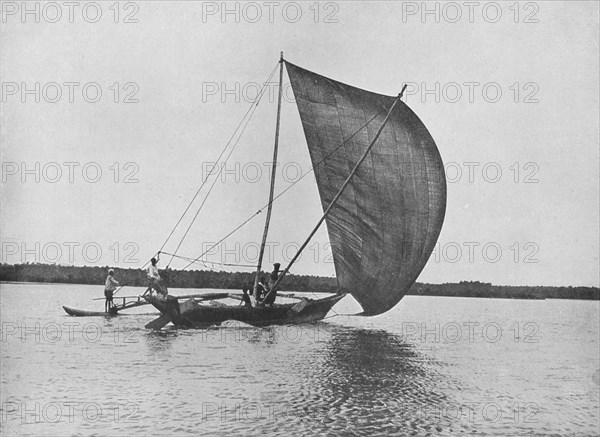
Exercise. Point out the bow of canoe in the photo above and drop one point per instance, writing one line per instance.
(83, 313)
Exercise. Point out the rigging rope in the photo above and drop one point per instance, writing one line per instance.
(246, 118)
(204, 262)
(244, 122)
(284, 191)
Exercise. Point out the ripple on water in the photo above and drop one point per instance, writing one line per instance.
(352, 377)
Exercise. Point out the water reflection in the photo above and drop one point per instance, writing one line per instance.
(318, 378)
(375, 381)
(159, 342)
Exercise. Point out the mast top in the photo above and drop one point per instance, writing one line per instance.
(281, 57)
(401, 92)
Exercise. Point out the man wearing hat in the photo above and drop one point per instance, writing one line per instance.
(110, 286)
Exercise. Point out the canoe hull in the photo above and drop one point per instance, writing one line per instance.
(190, 314)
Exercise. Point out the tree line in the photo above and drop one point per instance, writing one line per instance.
(485, 289)
(53, 273)
(37, 272)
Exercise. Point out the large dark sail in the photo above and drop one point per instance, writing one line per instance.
(387, 221)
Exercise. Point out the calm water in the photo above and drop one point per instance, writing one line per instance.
(439, 366)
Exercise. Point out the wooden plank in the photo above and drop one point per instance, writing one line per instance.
(119, 297)
(204, 296)
(131, 305)
(219, 295)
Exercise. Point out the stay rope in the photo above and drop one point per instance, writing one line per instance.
(205, 262)
(242, 124)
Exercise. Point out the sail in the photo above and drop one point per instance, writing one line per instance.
(387, 221)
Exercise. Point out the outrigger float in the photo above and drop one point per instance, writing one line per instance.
(382, 186)
(127, 303)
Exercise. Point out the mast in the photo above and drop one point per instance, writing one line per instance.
(339, 193)
(272, 190)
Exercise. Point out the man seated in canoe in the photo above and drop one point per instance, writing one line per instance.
(247, 291)
(154, 280)
(261, 289)
(110, 286)
(273, 277)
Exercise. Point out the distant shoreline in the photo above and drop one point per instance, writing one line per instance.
(42, 274)
(410, 294)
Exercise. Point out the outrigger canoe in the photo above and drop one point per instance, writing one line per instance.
(201, 310)
(382, 186)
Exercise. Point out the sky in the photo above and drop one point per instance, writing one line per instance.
(111, 117)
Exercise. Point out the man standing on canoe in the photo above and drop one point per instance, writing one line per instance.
(274, 276)
(154, 280)
(110, 286)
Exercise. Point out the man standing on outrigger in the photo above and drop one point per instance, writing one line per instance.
(110, 286)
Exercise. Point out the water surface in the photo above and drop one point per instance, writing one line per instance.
(439, 366)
